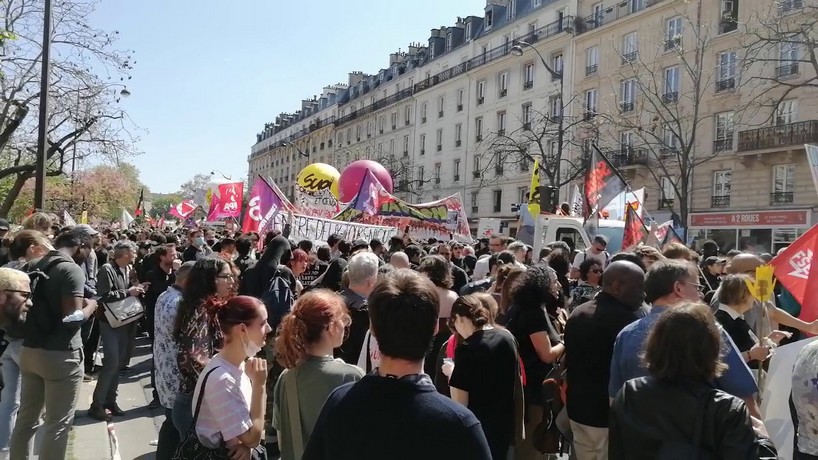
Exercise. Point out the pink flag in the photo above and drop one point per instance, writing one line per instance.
(264, 204)
(227, 202)
(183, 209)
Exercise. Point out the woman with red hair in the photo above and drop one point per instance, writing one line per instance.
(298, 265)
(318, 324)
(230, 393)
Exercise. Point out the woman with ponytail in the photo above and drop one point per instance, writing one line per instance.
(232, 385)
(318, 323)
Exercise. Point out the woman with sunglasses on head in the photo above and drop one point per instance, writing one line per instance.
(230, 391)
(590, 273)
(210, 280)
(304, 344)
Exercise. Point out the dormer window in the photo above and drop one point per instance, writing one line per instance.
(489, 17)
(449, 41)
(468, 30)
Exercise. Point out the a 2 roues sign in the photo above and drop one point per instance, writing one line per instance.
(710, 220)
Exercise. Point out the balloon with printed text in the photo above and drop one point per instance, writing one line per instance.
(319, 176)
(354, 174)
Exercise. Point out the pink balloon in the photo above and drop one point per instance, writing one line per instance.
(350, 182)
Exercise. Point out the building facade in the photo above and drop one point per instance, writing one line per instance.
(678, 96)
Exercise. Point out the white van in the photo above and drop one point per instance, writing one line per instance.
(551, 228)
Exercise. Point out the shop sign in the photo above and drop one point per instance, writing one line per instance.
(759, 219)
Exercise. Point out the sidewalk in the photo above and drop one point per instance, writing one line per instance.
(135, 433)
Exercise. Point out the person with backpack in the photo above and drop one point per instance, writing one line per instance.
(596, 251)
(51, 361)
(363, 274)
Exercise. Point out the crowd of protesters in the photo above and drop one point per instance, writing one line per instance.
(404, 349)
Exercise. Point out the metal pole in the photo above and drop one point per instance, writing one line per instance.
(42, 132)
(561, 128)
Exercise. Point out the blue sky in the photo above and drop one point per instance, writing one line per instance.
(209, 74)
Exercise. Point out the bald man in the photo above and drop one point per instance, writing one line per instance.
(590, 334)
(399, 260)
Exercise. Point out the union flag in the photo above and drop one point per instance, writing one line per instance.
(602, 183)
(634, 228)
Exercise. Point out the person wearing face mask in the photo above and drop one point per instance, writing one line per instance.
(318, 323)
(231, 391)
(52, 359)
(197, 248)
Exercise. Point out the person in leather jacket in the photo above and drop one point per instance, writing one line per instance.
(676, 409)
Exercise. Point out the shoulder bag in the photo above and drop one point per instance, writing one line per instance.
(123, 312)
(294, 411)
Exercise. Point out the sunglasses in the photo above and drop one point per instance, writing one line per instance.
(24, 294)
(226, 277)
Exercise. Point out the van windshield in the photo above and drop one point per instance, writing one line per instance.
(614, 235)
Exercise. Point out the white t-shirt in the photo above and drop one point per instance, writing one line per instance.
(481, 268)
(225, 412)
(373, 352)
(603, 258)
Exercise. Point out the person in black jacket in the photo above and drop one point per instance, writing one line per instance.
(363, 273)
(676, 410)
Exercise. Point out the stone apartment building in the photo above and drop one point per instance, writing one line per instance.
(665, 88)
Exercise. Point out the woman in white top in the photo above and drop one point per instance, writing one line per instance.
(438, 269)
(232, 410)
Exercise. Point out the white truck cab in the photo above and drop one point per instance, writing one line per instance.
(551, 228)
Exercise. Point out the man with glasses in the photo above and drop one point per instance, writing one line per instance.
(458, 274)
(15, 300)
(497, 244)
(597, 252)
(51, 362)
(668, 284)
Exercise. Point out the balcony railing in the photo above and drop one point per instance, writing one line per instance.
(719, 201)
(385, 102)
(611, 14)
(503, 92)
(477, 174)
(671, 97)
(591, 69)
(723, 145)
(459, 107)
(501, 132)
(673, 43)
(458, 143)
(528, 85)
(527, 126)
(626, 106)
(785, 6)
(802, 132)
(781, 198)
(787, 70)
(630, 57)
(666, 203)
(724, 85)
(628, 156)
(480, 100)
(457, 178)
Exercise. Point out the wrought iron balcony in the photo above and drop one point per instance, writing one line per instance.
(458, 143)
(591, 70)
(787, 70)
(726, 84)
(528, 85)
(478, 138)
(630, 57)
(666, 203)
(480, 100)
(673, 43)
(503, 92)
(628, 156)
(723, 145)
(670, 97)
(457, 178)
(719, 201)
(781, 197)
(477, 174)
(459, 107)
(626, 106)
(527, 126)
(802, 132)
(611, 14)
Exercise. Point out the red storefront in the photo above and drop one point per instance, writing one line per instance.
(756, 231)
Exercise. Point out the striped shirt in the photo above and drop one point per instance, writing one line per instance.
(225, 412)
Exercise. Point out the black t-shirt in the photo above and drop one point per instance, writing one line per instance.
(189, 255)
(385, 418)
(522, 322)
(459, 277)
(739, 331)
(485, 365)
(590, 334)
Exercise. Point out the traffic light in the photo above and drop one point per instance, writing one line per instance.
(549, 197)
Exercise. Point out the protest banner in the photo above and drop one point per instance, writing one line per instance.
(226, 201)
(317, 203)
(487, 227)
(318, 229)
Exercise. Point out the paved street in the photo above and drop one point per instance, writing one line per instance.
(135, 433)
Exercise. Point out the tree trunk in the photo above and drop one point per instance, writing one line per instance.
(14, 191)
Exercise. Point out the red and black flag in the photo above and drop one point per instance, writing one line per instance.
(140, 204)
(602, 184)
(634, 228)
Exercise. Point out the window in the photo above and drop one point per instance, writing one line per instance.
(423, 109)
(783, 184)
(729, 16)
(458, 133)
(673, 33)
(630, 47)
(421, 174)
(528, 75)
(460, 94)
(786, 112)
(448, 41)
(456, 170)
(501, 123)
(634, 6)
(468, 30)
(788, 57)
(527, 116)
(392, 146)
(667, 193)
(489, 19)
(599, 12)
(555, 107)
(476, 166)
(423, 144)
(670, 143)
(512, 9)
(625, 142)
(502, 83)
(498, 200)
(671, 85)
(727, 71)
(525, 164)
(381, 122)
(437, 173)
(557, 64)
(358, 133)
(522, 194)
(505, 43)
(406, 145)
(481, 91)
(349, 136)
(537, 3)
(441, 103)
(407, 115)
(590, 103)
(591, 61)
(475, 199)
(721, 187)
(627, 95)
(478, 128)
(439, 140)
(724, 131)
(394, 120)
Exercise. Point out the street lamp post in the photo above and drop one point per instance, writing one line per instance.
(518, 50)
(290, 144)
(42, 130)
(213, 173)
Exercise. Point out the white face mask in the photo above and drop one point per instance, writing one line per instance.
(251, 349)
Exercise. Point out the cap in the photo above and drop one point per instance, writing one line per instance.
(4, 225)
(358, 245)
(712, 260)
(85, 230)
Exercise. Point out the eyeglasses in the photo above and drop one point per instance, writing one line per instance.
(698, 286)
(227, 277)
(24, 294)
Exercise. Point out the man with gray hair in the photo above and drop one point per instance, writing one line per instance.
(363, 273)
(114, 285)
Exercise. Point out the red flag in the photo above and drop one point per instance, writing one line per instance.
(183, 209)
(792, 270)
(138, 211)
(161, 223)
(634, 229)
(262, 207)
(151, 221)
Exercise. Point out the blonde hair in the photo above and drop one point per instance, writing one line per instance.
(12, 280)
(39, 221)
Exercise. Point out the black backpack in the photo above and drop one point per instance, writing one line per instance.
(278, 298)
(50, 321)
